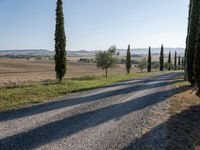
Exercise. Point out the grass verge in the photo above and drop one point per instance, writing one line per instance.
(183, 126)
(16, 97)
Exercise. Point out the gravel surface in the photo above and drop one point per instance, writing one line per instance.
(111, 117)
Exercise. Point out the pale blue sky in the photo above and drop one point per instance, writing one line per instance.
(94, 24)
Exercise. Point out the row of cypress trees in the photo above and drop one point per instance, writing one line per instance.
(60, 45)
(177, 63)
(180, 62)
(128, 60)
(192, 65)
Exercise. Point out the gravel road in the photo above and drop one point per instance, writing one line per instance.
(111, 117)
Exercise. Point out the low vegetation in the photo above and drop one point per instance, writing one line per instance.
(106, 59)
(12, 98)
(183, 126)
(142, 64)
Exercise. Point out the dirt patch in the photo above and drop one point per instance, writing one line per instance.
(21, 71)
(183, 127)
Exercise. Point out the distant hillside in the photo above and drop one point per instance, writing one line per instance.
(144, 51)
(83, 53)
(42, 53)
(29, 52)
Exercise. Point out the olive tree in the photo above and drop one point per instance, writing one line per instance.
(142, 64)
(106, 59)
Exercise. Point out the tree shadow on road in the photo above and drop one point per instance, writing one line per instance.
(68, 126)
(184, 129)
(180, 132)
(160, 81)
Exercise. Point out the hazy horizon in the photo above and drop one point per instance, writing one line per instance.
(137, 48)
(136, 51)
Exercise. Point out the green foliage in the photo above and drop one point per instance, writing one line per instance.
(179, 61)
(187, 42)
(168, 65)
(169, 61)
(106, 59)
(128, 60)
(191, 39)
(175, 61)
(142, 64)
(60, 43)
(84, 78)
(123, 61)
(149, 60)
(183, 62)
(162, 58)
(12, 98)
(112, 50)
(155, 65)
(197, 59)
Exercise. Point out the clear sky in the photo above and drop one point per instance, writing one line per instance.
(94, 24)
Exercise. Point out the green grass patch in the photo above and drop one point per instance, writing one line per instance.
(16, 97)
(182, 82)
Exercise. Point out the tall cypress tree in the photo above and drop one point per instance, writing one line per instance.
(128, 59)
(183, 61)
(191, 39)
(149, 60)
(179, 61)
(187, 42)
(169, 61)
(60, 43)
(197, 59)
(162, 58)
(175, 61)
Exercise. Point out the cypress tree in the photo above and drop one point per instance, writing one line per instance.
(169, 61)
(197, 59)
(179, 61)
(162, 58)
(183, 62)
(191, 39)
(175, 61)
(60, 43)
(128, 60)
(149, 60)
(187, 42)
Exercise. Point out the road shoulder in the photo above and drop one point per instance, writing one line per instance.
(183, 129)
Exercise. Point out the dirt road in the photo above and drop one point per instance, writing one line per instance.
(111, 117)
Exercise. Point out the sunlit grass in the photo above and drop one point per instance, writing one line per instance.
(15, 97)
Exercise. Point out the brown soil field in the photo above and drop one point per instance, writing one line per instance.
(20, 71)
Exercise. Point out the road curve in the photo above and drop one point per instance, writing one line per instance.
(110, 117)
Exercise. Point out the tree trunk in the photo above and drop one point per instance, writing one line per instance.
(106, 72)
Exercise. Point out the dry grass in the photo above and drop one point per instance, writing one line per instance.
(20, 71)
(20, 96)
(183, 126)
(184, 101)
